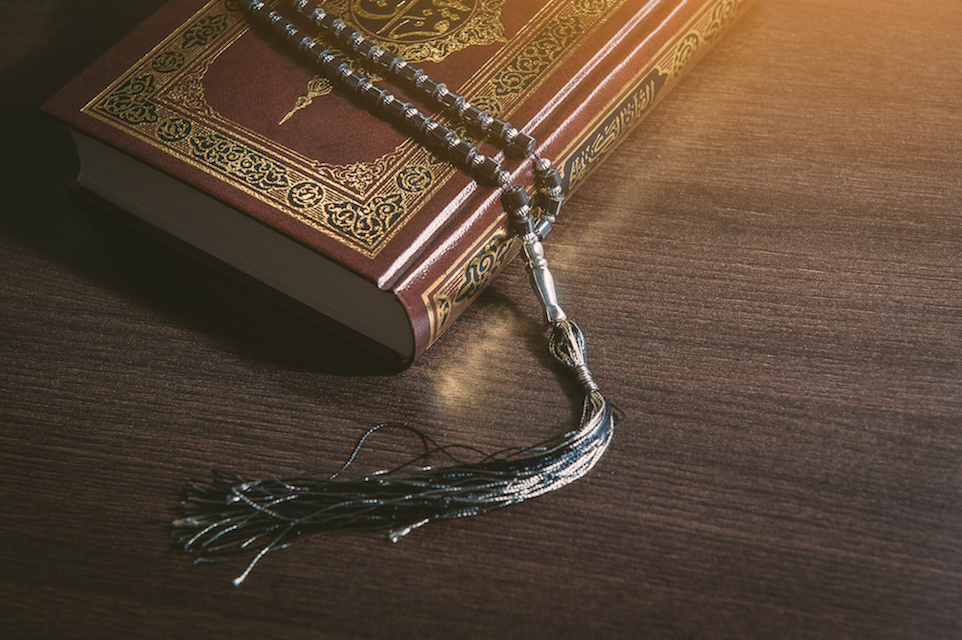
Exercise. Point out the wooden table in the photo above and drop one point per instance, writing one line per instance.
(770, 276)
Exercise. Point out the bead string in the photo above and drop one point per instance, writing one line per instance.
(432, 134)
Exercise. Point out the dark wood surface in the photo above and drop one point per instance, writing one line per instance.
(769, 275)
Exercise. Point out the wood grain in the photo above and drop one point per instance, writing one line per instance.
(769, 275)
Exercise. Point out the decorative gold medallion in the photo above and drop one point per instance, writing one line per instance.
(424, 30)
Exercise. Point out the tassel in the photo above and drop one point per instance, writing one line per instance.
(230, 515)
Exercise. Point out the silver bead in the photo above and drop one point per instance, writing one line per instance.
(541, 279)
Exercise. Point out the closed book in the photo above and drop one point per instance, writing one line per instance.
(208, 130)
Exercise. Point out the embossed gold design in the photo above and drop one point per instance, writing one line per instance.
(723, 13)
(606, 137)
(188, 91)
(305, 195)
(174, 129)
(168, 61)
(488, 103)
(685, 52)
(590, 7)
(368, 221)
(529, 63)
(238, 160)
(414, 178)
(131, 102)
(452, 293)
(319, 86)
(204, 31)
(410, 21)
(482, 267)
(358, 177)
(442, 314)
(424, 30)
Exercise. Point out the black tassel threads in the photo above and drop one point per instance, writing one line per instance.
(230, 516)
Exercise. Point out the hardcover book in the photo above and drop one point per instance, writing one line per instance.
(214, 134)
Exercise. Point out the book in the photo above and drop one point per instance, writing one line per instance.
(209, 132)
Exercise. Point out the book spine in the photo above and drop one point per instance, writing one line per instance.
(594, 112)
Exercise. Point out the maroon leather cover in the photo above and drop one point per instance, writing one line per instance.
(197, 94)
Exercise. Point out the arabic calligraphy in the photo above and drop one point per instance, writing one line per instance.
(411, 21)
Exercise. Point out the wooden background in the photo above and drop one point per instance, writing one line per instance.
(769, 275)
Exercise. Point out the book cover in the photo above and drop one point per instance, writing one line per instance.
(197, 96)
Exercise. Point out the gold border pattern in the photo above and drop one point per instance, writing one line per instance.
(451, 293)
(161, 101)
